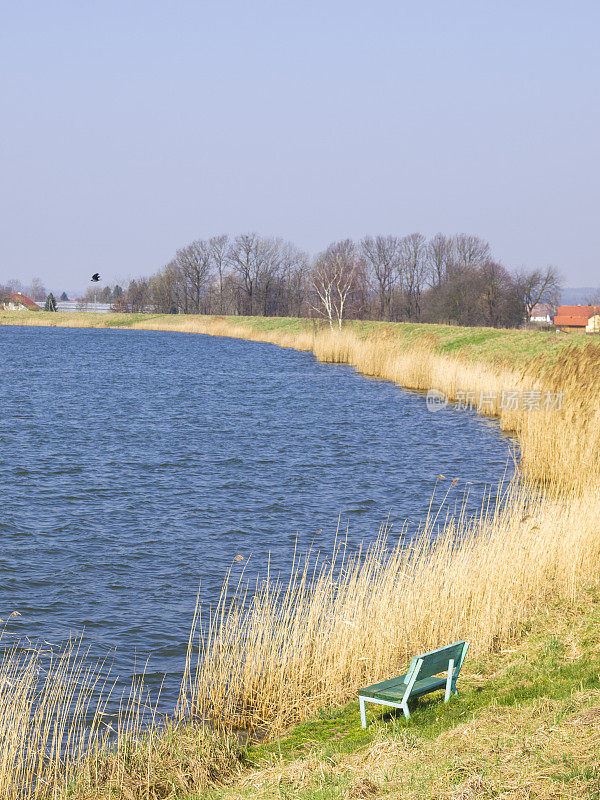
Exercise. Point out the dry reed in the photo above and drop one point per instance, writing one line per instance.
(52, 703)
(292, 649)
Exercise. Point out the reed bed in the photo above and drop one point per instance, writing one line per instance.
(275, 653)
(58, 740)
(276, 657)
(48, 716)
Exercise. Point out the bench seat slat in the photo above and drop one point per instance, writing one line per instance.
(395, 694)
(377, 688)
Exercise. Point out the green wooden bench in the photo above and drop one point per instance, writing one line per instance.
(423, 676)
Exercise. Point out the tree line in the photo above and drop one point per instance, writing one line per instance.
(449, 279)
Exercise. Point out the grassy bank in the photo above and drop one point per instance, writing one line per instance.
(291, 650)
(484, 345)
(525, 725)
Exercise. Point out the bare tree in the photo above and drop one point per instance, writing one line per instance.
(37, 290)
(257, 263)
(194, 261)
(334, 276)
(440, 258)
(413, 269)
(269, 263)
(471, 251)
(494, 284)
(293, 273)
(218, 248)
(323, 280)
(242, 256)
(538, 286)
(166, 287)
(457, 299)
(383, 254)
(15, 285)
(138, 295)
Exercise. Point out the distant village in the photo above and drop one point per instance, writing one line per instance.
(568, 319)
(19, 301)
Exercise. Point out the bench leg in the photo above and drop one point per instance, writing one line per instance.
(362, 700)
(449, 681)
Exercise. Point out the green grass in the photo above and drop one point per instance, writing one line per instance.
(287, 324)
(480, 344)
(125, 320)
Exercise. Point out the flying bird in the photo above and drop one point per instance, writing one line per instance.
(96, 277)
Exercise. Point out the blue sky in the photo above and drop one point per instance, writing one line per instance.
(129, 128)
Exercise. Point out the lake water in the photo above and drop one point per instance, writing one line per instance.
(135, 465)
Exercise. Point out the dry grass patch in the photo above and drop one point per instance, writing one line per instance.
(173, 762)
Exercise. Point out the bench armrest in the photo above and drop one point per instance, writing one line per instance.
(412, 680)
(463, 655)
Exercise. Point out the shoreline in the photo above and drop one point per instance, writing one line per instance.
(539, 551)
(496, 346)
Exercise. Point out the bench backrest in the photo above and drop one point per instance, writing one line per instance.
(436, 661)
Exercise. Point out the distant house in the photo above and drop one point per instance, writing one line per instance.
(575, 319)
(19, 302)
(542, 312)
(593, 325)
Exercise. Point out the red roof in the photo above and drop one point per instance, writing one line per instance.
(575, 316)
(21, 298)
